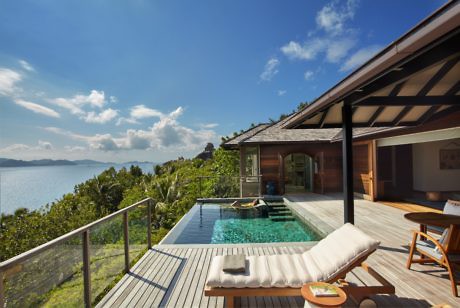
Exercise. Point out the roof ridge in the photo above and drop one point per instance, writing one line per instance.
(246, 131)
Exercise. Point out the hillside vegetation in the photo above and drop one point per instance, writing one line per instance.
(175, 185)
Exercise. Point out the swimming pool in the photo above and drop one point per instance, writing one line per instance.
(222, 224)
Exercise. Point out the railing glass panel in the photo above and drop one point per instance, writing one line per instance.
(107, 256)
(137, 224)
(50, 278)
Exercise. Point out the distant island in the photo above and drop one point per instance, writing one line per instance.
(8, 162)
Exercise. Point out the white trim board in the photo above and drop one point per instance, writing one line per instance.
(436, 135)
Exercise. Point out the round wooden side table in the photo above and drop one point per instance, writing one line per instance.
(323, 301)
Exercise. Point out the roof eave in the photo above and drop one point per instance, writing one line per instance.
(438, 24)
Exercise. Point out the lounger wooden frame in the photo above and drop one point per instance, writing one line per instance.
(357, 293)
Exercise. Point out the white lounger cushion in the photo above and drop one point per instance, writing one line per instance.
(323, 262)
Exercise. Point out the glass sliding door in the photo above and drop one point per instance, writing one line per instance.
(298, 172)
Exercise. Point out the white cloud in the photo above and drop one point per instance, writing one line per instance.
(25, 65)
(270, 69)
(308, 75)
(332, 18)
(337, 49)
(281, 92)
(19, 147)
(37, 108)
(139, 112)
(123, 120)
(8, 80)
(360, 57)
(76, 103)
(76, 148)
(332, 39)
(307, 51)
(209, 125)
(102, 117)
(142, 112)
(45, 145)
(333, 48)
(166, 133)
(14, 148)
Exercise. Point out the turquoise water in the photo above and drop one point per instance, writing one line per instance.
(34, 187)
(260, 230)
(221, 224)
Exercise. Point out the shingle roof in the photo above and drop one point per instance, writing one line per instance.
(235, 141)
(274, 133)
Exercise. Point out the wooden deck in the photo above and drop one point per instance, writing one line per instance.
(174, 275)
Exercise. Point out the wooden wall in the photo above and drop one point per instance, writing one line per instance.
(327, 156)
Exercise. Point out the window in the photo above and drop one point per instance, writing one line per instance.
(251, 161)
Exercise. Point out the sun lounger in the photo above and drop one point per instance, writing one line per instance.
(283, 275)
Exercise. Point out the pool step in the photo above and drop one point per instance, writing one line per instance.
(276, 204)
(278, 208)
(283, 218)
(284, 213)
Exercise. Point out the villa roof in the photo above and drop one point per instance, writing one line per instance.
(233, 142)
(412, 80)
(276, 134)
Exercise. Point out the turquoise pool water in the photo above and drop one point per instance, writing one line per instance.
(221, 224)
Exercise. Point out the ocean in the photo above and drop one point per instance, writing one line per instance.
(34, 187)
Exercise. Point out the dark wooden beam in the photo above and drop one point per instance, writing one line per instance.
(347, 164)
(438, 76)
(323, 117)
(455, 88)
(410, 100)
(401, 115)
(428, 57)
(397, 88)
(440, 114)
(426, 89)
(428, 114)
(374, 116)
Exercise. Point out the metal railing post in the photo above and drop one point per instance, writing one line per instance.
(2, 291)
(149, 224)
(126, 240)
(86, 269)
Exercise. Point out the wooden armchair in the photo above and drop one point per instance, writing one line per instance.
(446, 254)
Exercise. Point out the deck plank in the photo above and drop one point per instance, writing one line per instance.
(174, 275)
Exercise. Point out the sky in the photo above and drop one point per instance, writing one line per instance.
(119, 80)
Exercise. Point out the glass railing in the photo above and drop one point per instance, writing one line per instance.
(222, 186)
(78, 268)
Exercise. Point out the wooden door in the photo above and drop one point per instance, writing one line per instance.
(363, 166)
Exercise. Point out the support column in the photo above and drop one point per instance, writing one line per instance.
(242, 150)
(347, 164)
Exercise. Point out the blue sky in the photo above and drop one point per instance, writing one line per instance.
(153, 80)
